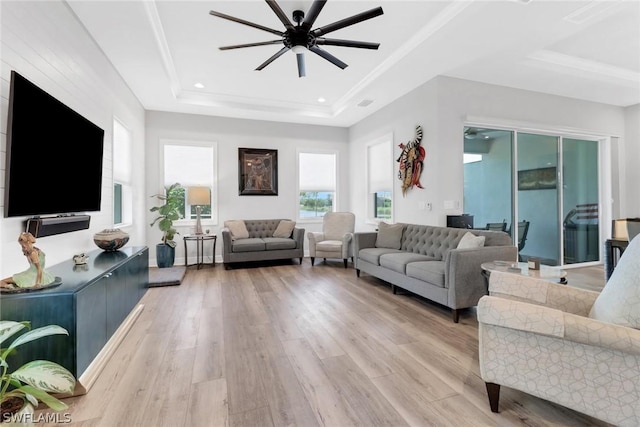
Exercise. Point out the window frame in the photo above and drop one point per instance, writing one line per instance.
(371, 201)
(126, 186)
(336, 155)
(188, 222)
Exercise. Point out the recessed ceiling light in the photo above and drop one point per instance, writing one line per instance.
(321, 99)
(199, 85)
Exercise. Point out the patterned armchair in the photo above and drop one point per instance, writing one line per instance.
(336, 238)
(537, 337)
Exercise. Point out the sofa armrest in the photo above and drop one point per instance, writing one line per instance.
(463, 274)
(541, 320)
(298, 236)
(226, 244)
(362, 240)
(542, 292)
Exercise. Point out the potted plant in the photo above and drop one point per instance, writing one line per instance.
(22, 389)
(169, 212)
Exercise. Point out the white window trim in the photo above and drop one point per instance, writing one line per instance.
(213, 221)
(297, 195)
(126, 186)
(369, 205)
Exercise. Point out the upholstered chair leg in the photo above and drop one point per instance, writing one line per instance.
(456, 315)
(357, 272)
(300, 260)
(312, 261)
(493, 392)
(345, 262)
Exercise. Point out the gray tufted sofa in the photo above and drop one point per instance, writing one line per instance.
(261, 245)
(429, 264)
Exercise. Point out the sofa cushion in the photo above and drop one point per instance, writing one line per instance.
(276, 243)
(389, 236)
(471, 241)
(329, 246)
(398, 261)
(284, 229)
(248, 245)
(619, 301)
(372, 255)
(429, 271)
(237, 228)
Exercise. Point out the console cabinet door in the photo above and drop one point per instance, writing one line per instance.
(119, 301)
(91, 323)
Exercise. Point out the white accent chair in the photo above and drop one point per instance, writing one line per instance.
(336, 238)
(574, 347)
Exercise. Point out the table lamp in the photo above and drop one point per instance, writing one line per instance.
(198, 196)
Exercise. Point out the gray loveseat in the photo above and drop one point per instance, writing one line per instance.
(428, 263)
(260, 245)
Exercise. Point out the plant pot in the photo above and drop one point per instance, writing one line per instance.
(165, 255)
(16, 412)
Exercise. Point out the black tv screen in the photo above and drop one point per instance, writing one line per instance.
(54, 155)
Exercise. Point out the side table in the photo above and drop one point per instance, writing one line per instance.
(551, 274)
(199, 239)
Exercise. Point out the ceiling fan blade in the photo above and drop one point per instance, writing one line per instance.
(347, 43)
(242, 21)
(348, 21)
(326, 55)
(301, 68)
(238, 46)
(313, 13)
(273, 58)
(280, 13)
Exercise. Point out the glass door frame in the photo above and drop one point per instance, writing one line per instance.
(604, 176)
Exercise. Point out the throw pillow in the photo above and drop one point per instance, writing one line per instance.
(238, 229)
(284, 229)
(389, 236)
(619, 301)
(471, 241)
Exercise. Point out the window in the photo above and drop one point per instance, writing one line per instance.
(192, 165)
(122, 167)
(316, 184)
(380, 179)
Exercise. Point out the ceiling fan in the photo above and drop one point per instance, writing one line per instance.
(301, 37)
(475, 133)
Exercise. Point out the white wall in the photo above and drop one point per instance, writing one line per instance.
(44, 42)
(229, 135)
(442, 106)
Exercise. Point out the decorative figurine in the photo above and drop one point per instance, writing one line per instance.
(80, 259)
(35, 276)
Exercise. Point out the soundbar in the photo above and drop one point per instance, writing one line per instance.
(41, 227)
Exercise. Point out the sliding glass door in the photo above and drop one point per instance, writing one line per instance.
(541, 188)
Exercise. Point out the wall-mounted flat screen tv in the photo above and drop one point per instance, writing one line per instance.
(54, 155)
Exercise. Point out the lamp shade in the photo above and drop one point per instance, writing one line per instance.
(199, 196)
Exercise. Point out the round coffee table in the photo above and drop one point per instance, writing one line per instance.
(551, 274)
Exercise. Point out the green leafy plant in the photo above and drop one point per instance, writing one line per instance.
(169, 212)
(33, 381)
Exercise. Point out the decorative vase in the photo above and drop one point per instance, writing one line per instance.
(165, 255)
(111, 240)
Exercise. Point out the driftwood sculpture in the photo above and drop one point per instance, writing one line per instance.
(411, 161)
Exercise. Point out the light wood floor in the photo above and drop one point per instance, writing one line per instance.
(298, 345)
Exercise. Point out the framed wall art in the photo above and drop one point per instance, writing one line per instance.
(258, 172)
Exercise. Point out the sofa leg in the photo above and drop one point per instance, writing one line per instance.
(456, 315)
(493, 392)
(312, 261)
(357, 272)
(393, 289)
(227, 266)
(300, 260)
(345, 262)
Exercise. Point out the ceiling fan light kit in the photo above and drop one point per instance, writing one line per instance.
(300, 38)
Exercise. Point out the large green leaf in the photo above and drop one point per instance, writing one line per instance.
(8, 328)
(44, 397)
(47, 376)
(38, 333)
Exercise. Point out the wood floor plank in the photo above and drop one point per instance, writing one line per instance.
(295, 345)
